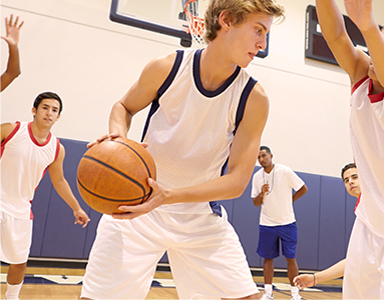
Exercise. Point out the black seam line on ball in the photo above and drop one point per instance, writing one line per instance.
(118, 172)
(144, 162)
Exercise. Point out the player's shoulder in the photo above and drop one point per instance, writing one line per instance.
(157, 69)
(7, 129)
(162, 63)
(258, 97)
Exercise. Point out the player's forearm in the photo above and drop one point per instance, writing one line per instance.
(119, 120)
(375, 42)
(258, 200)
(222, 188)
(298, 194)
(331, 20)
(63, 189)
(333, 272)
(13, 67)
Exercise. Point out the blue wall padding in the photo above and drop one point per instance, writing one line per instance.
(332, 222)
(307, 220)
(324, 216)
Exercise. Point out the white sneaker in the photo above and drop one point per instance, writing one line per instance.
(296, 297)
(267, 297)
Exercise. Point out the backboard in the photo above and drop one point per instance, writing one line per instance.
(160, 16)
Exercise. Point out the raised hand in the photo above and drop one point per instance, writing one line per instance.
(360, 12)
(12, 31)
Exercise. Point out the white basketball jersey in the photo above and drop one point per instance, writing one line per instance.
(367, 138)
(190, 130)
(23, 164)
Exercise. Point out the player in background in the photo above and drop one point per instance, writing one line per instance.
(352, 185)
(28, 149)
(366, 246)
(12, 39)
(206, 112)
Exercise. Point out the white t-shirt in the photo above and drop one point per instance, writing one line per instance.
(277, 208)
(367, 139)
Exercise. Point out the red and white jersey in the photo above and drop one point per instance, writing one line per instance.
(367, 139)
(23, 164)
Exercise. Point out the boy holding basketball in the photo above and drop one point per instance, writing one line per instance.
(364, 268)
(206, 113)
(27, 150)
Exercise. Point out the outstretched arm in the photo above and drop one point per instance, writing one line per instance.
(307, 280)
(12, 38)
(360, 12)
(63, 189)
(354, 61)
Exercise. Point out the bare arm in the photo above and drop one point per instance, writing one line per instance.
(6, 129)
(360, 12)
(307, 280)
(299, 193)
(140, 95)
(63, 189)
(12, 38)
(240, 166)
(354, 61)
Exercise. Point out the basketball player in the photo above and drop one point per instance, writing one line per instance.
(12, 39)
(272, 189)
(366, 246)
(206, 112)
(27, 150)
(352, 185)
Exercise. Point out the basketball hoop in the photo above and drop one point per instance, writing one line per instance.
(195, 15)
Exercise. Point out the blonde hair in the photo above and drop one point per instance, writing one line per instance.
(238, 10)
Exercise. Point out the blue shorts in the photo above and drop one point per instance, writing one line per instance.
(269, 241)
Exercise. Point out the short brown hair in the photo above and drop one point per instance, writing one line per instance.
(238, 10)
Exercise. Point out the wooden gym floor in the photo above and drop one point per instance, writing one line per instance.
(65, 283)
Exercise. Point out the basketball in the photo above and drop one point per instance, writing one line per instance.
(113, 173)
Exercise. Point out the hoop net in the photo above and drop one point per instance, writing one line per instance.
(194, 9)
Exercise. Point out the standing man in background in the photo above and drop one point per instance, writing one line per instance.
(272, 189)
(364, 266)
(12, 39)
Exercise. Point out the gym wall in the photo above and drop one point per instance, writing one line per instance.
(324, 218)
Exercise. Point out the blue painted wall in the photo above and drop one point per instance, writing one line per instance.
(324, 218)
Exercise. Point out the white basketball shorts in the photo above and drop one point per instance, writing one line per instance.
(16, 238)
(205, 255)
(364, 267)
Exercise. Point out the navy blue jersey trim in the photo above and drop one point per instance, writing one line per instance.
(243, 101)
(172, 74)
(215, 206)
(155, 103)
(197, 79)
